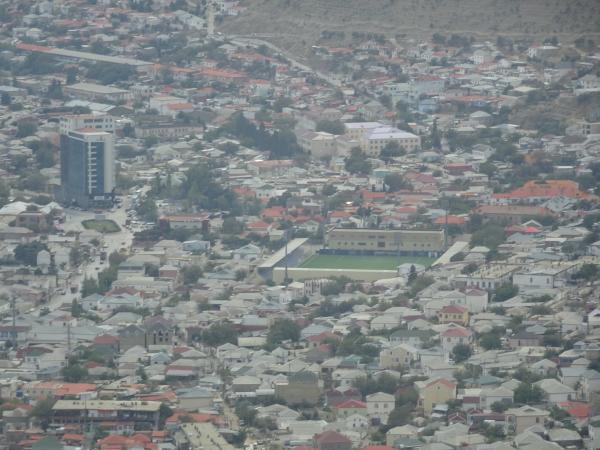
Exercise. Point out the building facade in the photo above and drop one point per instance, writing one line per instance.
(392, 242)
(87, 172)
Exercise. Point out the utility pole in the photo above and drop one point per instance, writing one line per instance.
(210, 19)
(285, 279)
(68, 342)
(446, 224)
(13, 311)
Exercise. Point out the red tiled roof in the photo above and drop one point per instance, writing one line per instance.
(580, 410)
(340, 214)
(351, 404)
(73, 437)
(522, 229)
(331, 437)
(547, 189)
(377, 447)
(455, 309)
(106, 339)
(451, 220)
(456, 332)
(443, 381)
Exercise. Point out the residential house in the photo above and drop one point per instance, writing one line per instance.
(349, 408)
(524, 339)
(453, 336)
(332, 440)
(493, 395)
(379, 406)
(435, 392)
(555, 392)
(519, 419)
(402, 432)
(454, 314)
(301, 387)
(398, 357)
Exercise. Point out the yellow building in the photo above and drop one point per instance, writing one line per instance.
(435, 392)
(399, 357)
(454, 314)
(406, 242)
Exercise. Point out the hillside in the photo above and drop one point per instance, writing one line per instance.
(297, 24)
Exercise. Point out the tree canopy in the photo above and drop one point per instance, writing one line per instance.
(283, 330)
(357, 162)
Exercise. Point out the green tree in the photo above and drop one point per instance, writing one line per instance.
(72, 75)
(164, 412)
(74, 373)
(527, 393)
(552, 339)
(45, 156)
(329, 190)
(469, 268)
(283, 330)
(76, 308)
(55, 90)
(420, 283)
(147, 210)
(26, 254)
(461, 352)
(400, 415)
(5, 99)
(75, 256)
(26, 128)
(587, 271)
(246, 412)
(42, 412)
(504, 292)
(106, 279)
(89, 286)
(219, 334)
(232, 226)
(116, 258)
(490, 340)
(396, 182)
(391, 150)
(111, 73)
(383, 383)
(436, 141)
(331, 126)
(4, 193)
(191, 274)
(500, 407)
(357, 162)
(490, 236)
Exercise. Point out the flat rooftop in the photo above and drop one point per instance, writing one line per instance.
(113, 405)
(96, 88)
(272, 260)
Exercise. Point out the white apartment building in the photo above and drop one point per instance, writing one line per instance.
(99, 121)
(374, 136)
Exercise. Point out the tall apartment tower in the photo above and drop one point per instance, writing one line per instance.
(87, 166)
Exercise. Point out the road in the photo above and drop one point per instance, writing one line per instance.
(112, 242)
(244, 41)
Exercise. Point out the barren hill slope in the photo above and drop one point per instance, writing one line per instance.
(297, 24)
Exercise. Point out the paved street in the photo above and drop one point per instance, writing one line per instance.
(112, 241)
